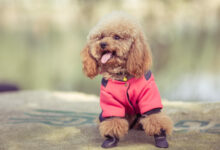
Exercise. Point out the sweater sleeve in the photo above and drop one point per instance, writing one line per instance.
(110, 106)
(150, 97)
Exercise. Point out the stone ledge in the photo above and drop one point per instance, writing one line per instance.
(58, 120)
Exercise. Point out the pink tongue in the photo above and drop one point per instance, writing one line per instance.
(106, 57)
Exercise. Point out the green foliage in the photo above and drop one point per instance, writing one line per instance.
(40, 43)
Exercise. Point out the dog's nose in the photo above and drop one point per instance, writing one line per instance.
(103, 45)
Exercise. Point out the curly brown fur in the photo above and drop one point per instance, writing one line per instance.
(124, 39)
(153, 124)
(90, 67)
(130, 118)
(139, 58)
(133, 123)
(117, 127)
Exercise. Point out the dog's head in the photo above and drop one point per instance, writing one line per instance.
(116, 45)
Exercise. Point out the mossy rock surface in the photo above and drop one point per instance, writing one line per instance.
(36, 120)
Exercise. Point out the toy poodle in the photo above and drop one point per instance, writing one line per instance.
(129, 98)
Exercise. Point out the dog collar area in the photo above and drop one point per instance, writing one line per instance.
(125, 79)
(147, 76)
(130, 79)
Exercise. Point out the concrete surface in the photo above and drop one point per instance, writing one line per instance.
(36, 120)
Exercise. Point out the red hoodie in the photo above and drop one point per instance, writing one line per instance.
(135, 96)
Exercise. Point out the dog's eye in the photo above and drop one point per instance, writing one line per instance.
(116, 37)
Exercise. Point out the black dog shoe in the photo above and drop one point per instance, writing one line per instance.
(110, 142)
(160, 140)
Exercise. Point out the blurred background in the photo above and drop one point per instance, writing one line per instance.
(40, 44)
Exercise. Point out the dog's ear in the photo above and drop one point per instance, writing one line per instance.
(90, 66)
(139, 58)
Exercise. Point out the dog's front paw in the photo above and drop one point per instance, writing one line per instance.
(160, 140)
(110, 142)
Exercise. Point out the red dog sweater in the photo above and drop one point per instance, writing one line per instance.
(135, 96)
